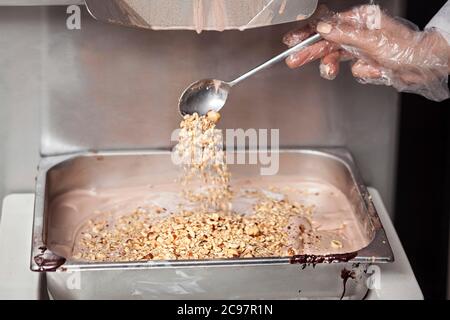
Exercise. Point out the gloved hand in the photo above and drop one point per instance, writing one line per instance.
(384, 50)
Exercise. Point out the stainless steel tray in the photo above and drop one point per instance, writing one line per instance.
(314, 276)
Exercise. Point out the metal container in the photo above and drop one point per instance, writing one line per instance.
(281, 277)
(200, 14)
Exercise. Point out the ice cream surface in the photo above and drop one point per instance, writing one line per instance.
(286, 215)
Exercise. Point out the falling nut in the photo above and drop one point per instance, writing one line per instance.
(213, 116)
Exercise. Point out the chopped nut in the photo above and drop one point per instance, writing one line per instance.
(252, 230)
(291, 252)
(233, 252)
(336, 244)
(213, 116)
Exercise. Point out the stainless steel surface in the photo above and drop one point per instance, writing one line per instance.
(211, 94)
(21, 50)
(39, 2)
(203, 96)
(61, 174)
(100, 88)
(200, 14)
(212, 282)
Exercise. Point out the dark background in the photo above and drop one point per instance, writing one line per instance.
(423, 184)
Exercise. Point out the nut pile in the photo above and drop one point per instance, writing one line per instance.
(195, 235)
(200, 149)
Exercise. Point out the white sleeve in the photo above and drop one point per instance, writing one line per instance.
(441, 21)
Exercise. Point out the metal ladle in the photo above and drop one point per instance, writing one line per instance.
(210, 94)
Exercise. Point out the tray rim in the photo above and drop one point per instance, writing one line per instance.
(378, 251)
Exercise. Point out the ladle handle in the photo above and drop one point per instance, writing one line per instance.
(310, 41)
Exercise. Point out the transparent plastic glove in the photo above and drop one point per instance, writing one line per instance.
(384, 50)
